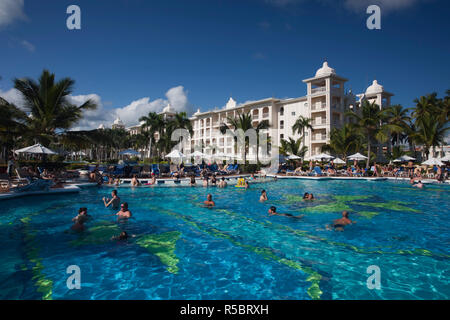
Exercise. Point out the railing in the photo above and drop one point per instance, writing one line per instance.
(319, 89)
(265, 115)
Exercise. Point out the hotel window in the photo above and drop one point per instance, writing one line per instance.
(281, 136)
(282, 111)
(293, 113)
(281, 124)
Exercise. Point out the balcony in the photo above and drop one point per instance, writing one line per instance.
(320, 137)
(318, 106)
(319, 122)
(318, 90)
(265, 115)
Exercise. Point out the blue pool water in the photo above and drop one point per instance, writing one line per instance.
(235, 251)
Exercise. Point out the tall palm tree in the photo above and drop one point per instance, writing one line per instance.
(242, 121)
(180, 121)
(301, 125)
(50, 109)
(396, 121)
(153, 123)
(342, 141)
(369, 124)
(263, 125)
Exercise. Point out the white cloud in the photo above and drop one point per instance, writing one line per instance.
(130, 114)
(13, 96)
(28, 45)
(11, 10)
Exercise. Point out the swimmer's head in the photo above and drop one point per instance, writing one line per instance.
(124, 206)
(82, 210)
(305, 195)
(264, 191)
(114, 192)
(123, 235)
(272, 209)
(345, 214)
(223, 179)
(209, 197)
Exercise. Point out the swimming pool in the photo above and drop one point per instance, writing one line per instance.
(234, 251)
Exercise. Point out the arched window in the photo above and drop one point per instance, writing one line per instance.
(282, 111)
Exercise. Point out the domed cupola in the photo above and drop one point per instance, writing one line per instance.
(374, 88)
(325, 70)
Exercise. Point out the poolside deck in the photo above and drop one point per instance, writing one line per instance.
(66, 189)
(425, 181)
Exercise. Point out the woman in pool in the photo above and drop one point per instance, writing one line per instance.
(263, 196)
(222, 183)
(113, 202)
(213, 181)
(192, 182)
(134, 181)
(205, 181)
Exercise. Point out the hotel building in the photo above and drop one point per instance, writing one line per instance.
(325, 103)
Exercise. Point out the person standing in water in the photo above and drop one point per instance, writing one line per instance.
(113, 202)
(209, 201)
(263, 196)
(339, 224)
(124, 212)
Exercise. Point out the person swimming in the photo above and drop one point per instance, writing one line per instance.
(246, 185)
(124, 212)
(122, 236)
(308, 196)
(263, 196)
(114, 202)
(273, 212)
(419, 184)
(209, 201)
(339, 224)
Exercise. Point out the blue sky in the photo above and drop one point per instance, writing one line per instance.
(134, 56)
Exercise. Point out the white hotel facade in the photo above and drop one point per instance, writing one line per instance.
(325, 102)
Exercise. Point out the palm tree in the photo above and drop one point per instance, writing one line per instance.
(180, 121)
(263, 125)
(153, 123)
(241, 122)
(431, 133)
(369, 124)
(342, 141)
(300, 126)
(12, 125)
(397, 119)
(50, 109)
(292, 146)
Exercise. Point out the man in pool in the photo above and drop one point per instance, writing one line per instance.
(263, 196)
(209, 201)
(419, 185)
(308, 196)
(339, 224)
(124, 213)
(113, 202)
(273, 212)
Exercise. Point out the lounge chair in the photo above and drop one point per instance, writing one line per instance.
(135, 170)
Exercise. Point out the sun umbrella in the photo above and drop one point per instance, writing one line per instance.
(338, 161)
(197, 154)
(433, 162)
(129, 152)
(404, 158)
(175, 154)
(321, 156)
(293, 157)
(35, 149)
(357, 156)
(445, 159)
